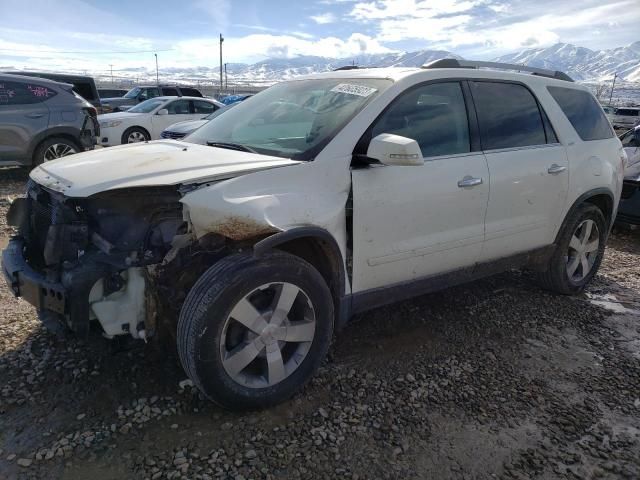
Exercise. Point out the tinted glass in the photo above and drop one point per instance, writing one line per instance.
(151, 92)
(583, 112)
(179, 107)
(14, 93)
(627, 112)
(169, 91)
(508, 114)
(433, 115)
(190, 92)
(85, 90)
(203, 107)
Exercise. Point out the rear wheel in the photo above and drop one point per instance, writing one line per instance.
(252, 331)
(579, 251)
(135, 135)
(54, 148)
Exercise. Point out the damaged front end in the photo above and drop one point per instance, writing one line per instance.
(123, 257)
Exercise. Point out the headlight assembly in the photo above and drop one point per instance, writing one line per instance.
(110, 124)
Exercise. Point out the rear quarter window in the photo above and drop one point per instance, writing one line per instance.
(190, 92)
(583, 112)
(14, 93)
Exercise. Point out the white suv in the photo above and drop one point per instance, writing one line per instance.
(258, 237)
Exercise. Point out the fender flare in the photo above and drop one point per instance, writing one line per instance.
(52, 132)
(581, 199)
(343, 303)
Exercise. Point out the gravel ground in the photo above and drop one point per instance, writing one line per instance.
(496, 379)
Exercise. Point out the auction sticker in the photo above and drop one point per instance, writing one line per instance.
(359, 90)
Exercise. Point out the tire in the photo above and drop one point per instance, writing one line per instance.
(54, 147)
(557, 276)
(209, 334)
(131, 134)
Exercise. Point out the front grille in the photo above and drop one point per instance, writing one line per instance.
(172, 135)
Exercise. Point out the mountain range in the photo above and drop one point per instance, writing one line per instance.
(580, 63)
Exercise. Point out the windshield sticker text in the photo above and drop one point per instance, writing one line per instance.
(350, 89)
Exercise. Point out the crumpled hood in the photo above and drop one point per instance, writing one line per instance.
(158, 163)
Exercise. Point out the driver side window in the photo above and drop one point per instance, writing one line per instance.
(433, 115)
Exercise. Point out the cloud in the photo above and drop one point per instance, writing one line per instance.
(323, 18)
(218, 11)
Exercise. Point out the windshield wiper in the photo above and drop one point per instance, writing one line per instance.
(231, 146)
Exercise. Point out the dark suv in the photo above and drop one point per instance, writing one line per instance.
(42, 120)
(140, 94)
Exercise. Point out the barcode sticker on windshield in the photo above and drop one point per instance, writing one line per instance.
(359, 90)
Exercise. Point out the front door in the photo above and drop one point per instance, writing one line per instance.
(412, 222)
(179, 111)
(528, 167)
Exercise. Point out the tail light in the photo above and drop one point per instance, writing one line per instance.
(91, 111)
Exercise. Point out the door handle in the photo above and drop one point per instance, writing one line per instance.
(35, 115)
(469, 181)
(554, 169)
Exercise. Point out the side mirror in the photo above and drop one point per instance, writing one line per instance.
(163, 111)
(395, 150)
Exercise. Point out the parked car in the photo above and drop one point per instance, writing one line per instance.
(112, 92)
(629, 209)
(140, 94)
(626, 117)
(229, 99)
(83, 85)
(148, 119)
(180, 130)
(257, 237)
(41, 120)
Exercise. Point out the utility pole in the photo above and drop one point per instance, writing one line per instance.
(226, 80)
(615, 75)
(157, 81)
(221, 40)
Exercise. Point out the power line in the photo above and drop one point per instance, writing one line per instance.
(84, 51)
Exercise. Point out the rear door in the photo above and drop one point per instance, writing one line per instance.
(179, 110)
(527, 165)
(23, 114)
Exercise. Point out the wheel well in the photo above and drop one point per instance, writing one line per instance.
(322, 256)
(604, 203)
(66, 136)
(138, 127)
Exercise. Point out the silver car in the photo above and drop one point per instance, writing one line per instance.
(41, 120)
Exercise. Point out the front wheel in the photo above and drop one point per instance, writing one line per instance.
(579, 251)
(134, 135)
(253, 331)
(54, 148)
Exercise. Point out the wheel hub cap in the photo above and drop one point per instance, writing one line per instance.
(267, 335)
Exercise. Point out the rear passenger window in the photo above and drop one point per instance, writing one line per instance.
(13, 93)
(509, 116)
(190, 92)
(583, 112)
(203, 107)
(170, 92)
(434, 115)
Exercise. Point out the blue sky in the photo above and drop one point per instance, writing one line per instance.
(60, 33)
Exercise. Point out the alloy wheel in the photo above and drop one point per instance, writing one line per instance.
(267, 335)
(136, 137)
(583, 250)
(58, 150)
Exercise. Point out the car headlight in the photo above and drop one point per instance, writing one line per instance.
(110, 124)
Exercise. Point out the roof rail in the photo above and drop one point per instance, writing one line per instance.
(346, 67)
(453, 63)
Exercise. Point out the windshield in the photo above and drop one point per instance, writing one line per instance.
(133, 93)
(293, 119)
(220, 111)
(146, 106)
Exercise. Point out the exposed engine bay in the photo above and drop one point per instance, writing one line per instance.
(122, 257)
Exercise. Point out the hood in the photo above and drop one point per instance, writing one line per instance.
(185, 127)
(117, 116)
(159, 163)
(118, 101)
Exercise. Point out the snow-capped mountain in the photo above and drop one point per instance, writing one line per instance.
(582, 63)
